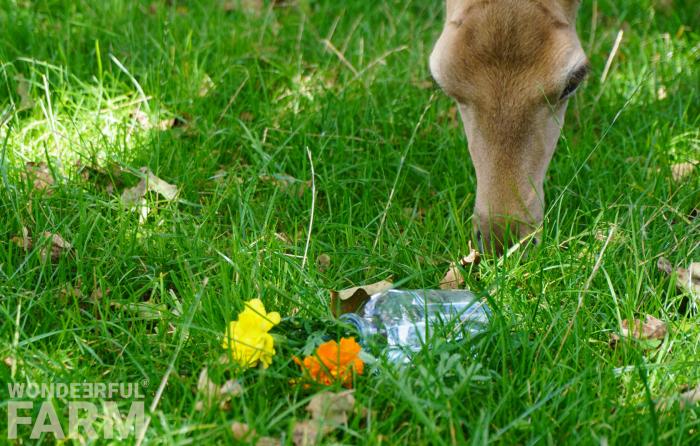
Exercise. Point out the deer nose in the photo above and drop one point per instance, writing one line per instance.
(497, 235)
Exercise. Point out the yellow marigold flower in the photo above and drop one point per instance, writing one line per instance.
(248, 337)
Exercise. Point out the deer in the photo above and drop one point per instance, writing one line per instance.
(511, 67)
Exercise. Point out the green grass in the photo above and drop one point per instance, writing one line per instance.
(279, 90)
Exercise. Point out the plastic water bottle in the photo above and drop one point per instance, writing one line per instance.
(405, 319)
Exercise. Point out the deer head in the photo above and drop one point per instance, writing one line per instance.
(511, 66)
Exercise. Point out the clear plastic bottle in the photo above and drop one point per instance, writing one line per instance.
(404, 319)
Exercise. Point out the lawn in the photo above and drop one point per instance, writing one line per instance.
(234, 105)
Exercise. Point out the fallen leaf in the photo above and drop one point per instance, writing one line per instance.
(212, 393)
(251, 6)
(323, 262)
(173, 123)
(25, 241)
(52, 245)
(328, 411)
(255, 6)
(72, 292)
(145, 122)
(25, 98)
(268, 441)
(680, 171)
(283, 237)
(205, 86)
(39, 175)
(349, 300)
(287, 183)
(661, 93)
(453, 278)
(649, 329)
(9, 361)
(240, 430)
(306, 433)
(690, 397)
(246, 116)
(97, 294)
(149, 183)
(330, 407)
(56, 246)
(686, 279)
(141, 118)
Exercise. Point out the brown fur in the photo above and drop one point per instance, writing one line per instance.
(506, 63)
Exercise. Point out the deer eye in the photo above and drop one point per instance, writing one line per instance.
(574, 81)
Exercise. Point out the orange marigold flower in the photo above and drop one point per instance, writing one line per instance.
(334, 362)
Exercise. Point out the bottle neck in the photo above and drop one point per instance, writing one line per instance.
(363, 327)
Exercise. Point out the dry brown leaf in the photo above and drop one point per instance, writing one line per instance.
(52, 245)
(349, 300)
(453, 278)
(681, 171)
(246, 116)
(690, 397)
(268, 441)
(686, 279)
(145, 122)
(25, 98)
(307, 433)
(331, 408)
(149, 182)
(9, 361)
(72, 292)
(283, 237)
(323, 262)
(287, 183)
(178, 122)
(40, 176)
(649, 329)
(211, 393)
(328, 411)
(98, 293)
(205, 86)
(55, 247)
(141, 118)
(241, 430)
(251, 6)
(661, 93)
(25, 241)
